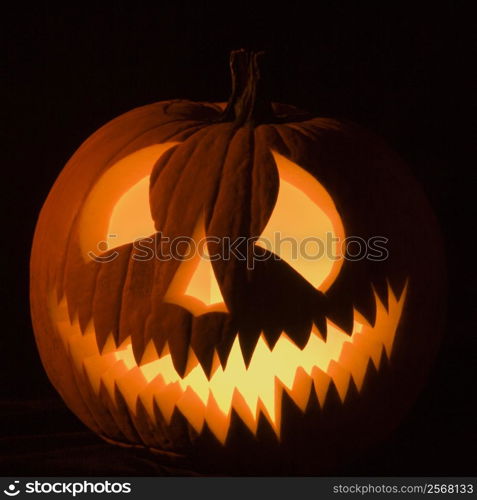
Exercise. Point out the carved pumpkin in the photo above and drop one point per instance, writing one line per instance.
(287, 365)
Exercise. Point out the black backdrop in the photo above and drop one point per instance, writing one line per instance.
(401, 70)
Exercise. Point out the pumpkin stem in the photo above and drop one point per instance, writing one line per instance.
(248, 102)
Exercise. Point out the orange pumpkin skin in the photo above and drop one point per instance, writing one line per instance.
(224, 169)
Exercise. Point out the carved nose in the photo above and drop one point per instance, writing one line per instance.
(194, 286)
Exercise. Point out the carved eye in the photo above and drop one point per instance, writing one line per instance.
(305, 229)
(117, 208)
(117, 212)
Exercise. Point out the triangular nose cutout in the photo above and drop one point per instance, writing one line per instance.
(194, 286)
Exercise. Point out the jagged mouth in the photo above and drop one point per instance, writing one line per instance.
(248, 391)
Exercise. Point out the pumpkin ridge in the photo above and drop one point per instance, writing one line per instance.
(59, 279)
(187, 176)
(198, 144)
(69, 285)
(269, 134)
(159, 166)
(177, 135)
(312, 128)
(169, 158)
(303, 129)
(288, 138)
(264, 171)
(225, 204)
(209, 205)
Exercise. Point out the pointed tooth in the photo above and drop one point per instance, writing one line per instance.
(121, 420)
(397, 284)
(102, 333)
(86, 284)
(299, 333)
(336, 392)
(179, 355)
(248, 339)
(138, 346)
(343, 317)
(320, 322)
(206, 333)
(72, 310)
(60, 288)
(170, 324)
(179, 348)
(144, 426)
(125, 414)
(160, 338)
(161, 430)
(205, 356)
(224, 348)
(228, 335)
(266, 432)
(167, 320)
(99, 409)
(319, 310)
(339, 303)
(272, 334)
(84, 310)
(371, 379)
(381, 288)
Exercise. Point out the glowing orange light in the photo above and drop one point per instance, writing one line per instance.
(305, 228)
(118, 204)
(131, 217)
(194, 285)
(248, 390)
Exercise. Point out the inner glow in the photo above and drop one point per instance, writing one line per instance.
(194, 285)
(249, 391)
(131, 217)
(305, 228)
(119, 202)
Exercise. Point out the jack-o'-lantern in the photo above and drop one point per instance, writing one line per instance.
(243, 284)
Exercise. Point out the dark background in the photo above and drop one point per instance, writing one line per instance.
(402, 70)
